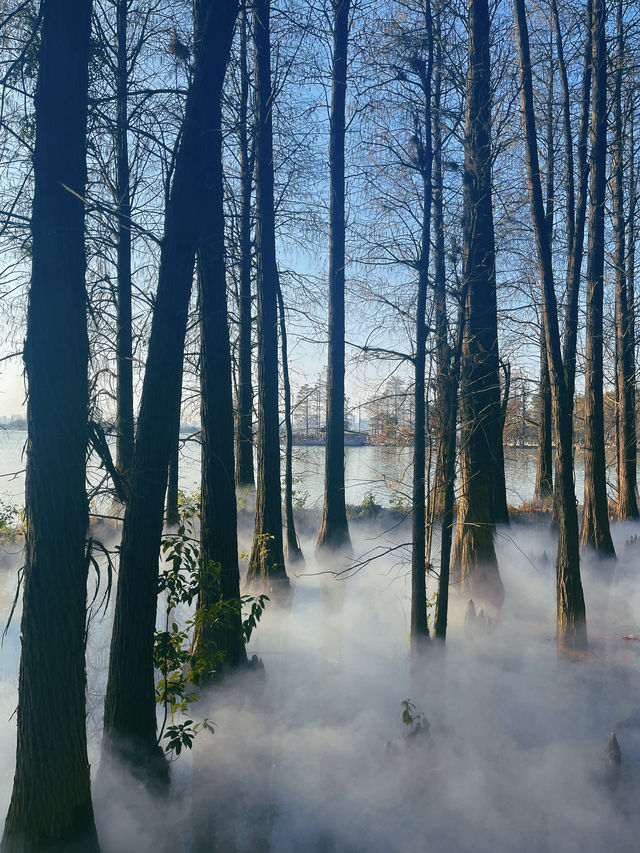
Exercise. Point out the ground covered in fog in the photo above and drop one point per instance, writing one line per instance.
(315, 756)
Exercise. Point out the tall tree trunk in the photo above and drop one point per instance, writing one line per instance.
(449, 476)
(244, 433)
(292, 550)
(130, 708)
(50, 804)
(595, 531)
(443, 352)
(419, 626)
(627, 506)
(575, 226)
(124, 346)
(266, 564)
(219, 523)
(334, 530)
(571, 620)
(474, 551)
(172, 514)
(544, 467)
(576, 210)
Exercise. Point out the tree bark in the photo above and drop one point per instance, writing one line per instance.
(571, 620)
(449, 476)
(266, 565)
(626, 444)
(334, 529)
(474, 551)
(544, 467)
(595, 531)
(50, 804)
(292, 549)
(130, 708)
(244, 433)
(172, 516)
(124, 345)
(219, 523)
(443, 351)
(419, 625)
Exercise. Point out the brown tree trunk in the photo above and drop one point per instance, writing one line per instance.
(244, 433)
(130, 708)
(474, 551)
(576, 211)
(571, 620)
(449, 476)
(218, 517)
(443, 353)
(172, 513)
(544, 467)
(627, 506)
(334, 529)
(595, 531)
(292, 549)
(50, 806)
(419, 625)
(575, 227)
(266, 565)
(124, 346)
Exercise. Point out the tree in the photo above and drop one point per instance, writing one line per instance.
(544, 466)
(571, 620)
(334, 529)
(130, 709)
(218, 515)
(124, 344)
(474, 551)
(419, 626)
(595, 531)
(266, 564)
(244, 432)
(626, 443)
(293, 551)
(51, 800)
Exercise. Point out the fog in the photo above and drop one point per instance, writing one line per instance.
(313, 755)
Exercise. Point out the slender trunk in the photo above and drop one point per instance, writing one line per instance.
(449, 475)
(50, 804)
(218, 516)
(130, 708)
(631, 261)
(625, 369)
(571, 620)
(334, 530)
(576, 248)
(172, 514)
(576, 211)
(419, 626)
(244, 434)
(544, 467)
(266, 564)
(474, 550)
(443, 353)
(595, 531)
(124, 346)
(292, 549)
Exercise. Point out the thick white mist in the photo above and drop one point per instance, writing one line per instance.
(313, 756)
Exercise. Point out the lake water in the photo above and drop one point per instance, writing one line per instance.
(384, 472)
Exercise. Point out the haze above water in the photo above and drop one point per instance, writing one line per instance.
(314, 756)
(384, 471)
